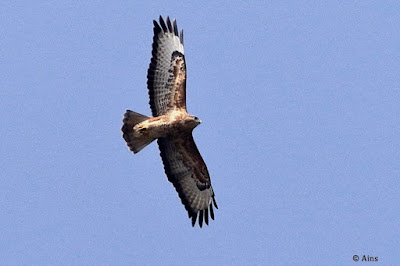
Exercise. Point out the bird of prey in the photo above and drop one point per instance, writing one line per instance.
(171, 125)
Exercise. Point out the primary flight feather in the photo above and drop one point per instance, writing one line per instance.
(171, 125)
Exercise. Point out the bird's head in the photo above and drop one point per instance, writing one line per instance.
(194, 120)
(197, 120)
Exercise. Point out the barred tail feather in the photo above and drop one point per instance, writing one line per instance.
(135, 141)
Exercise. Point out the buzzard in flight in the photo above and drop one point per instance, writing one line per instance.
(171, 125)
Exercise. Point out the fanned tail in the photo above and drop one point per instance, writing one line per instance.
(134, 140)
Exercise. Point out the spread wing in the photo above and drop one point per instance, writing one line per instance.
(188, 173)
(166, 77)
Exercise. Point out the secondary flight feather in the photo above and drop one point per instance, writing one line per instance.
(171, 125)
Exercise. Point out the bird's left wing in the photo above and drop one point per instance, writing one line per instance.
(166, 77)
(188, 173)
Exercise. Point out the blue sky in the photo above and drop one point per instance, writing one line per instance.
(300, 133)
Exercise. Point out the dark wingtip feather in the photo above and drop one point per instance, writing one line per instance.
(194, 217)
(181, 37)
(201, 218)
(169, 25)
(162, 23)
(214, 202)
(211, 211)
(206, 216)
(175, 28)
